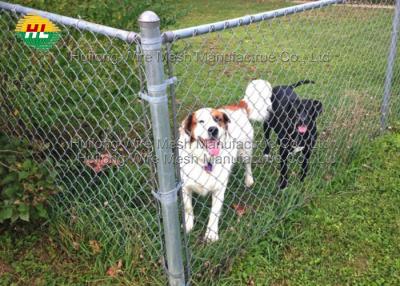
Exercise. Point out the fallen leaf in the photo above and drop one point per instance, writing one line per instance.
(115, 269)
(250, 282)
(253, 69)
(95, 246)
(239, 209)
(106, 159)
(76, 245)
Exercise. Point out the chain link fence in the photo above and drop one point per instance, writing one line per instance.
(80, 104)
(343, 49)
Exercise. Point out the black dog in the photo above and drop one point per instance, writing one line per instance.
(294, 121)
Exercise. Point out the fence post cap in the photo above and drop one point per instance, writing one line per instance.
(148, 17)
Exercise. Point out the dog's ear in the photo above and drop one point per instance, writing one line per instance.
(317, 105)
(188, 125)
(221, 118)
(225, 118)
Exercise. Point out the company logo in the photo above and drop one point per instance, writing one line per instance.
(37, 32)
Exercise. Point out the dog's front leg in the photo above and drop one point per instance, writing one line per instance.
(267, 133)
(187, 203)
(248, 180)
(304, 165)
(216, 207)
(284, 153)
(246, 155)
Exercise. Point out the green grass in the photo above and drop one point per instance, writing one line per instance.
(348, 235)
(33, 257)
(103, 104)
(349, 84)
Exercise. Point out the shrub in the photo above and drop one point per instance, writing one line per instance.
(123, 14)
(25, 185)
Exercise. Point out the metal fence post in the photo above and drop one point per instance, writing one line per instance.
(390, 65)
(151, 42)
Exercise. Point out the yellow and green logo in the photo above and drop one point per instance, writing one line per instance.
(37, 32)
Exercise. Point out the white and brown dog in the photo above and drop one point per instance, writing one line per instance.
(209, 144)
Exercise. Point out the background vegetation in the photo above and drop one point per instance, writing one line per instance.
(103, 225)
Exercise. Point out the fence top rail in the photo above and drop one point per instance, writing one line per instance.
(127, 36)
(171, 36)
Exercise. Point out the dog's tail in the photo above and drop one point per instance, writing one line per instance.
(306, 81)
(258, 100)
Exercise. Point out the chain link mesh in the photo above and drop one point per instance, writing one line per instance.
(78, 105)
(343, 48)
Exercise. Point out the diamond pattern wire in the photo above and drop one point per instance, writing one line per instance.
(78, 104)
(343, 49)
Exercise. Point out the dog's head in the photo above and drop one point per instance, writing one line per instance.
(207, 126)
(307, 111)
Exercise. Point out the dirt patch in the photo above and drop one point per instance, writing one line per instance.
(360, 264)
(5, 268)
(358, 111)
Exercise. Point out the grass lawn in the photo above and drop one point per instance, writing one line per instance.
(33, 257)
(110, 217)
(348, 83)
(348, 235)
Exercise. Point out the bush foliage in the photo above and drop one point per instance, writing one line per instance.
(25, 185)
(123, 14)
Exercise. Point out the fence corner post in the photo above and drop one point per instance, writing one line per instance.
(390, 66)
(151, 43)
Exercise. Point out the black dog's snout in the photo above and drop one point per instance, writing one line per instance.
(213, 132)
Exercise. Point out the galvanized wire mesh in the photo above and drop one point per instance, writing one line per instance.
(78, 104)
(343, 48)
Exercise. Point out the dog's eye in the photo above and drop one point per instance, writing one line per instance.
(201, 121)
(217, 119)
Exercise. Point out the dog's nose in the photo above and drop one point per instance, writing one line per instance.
(213, 132)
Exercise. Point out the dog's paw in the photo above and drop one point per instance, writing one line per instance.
(283, 184)
(268, 157)
(211, 235)
(249, 181)
(297, 149)
(189, 223)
